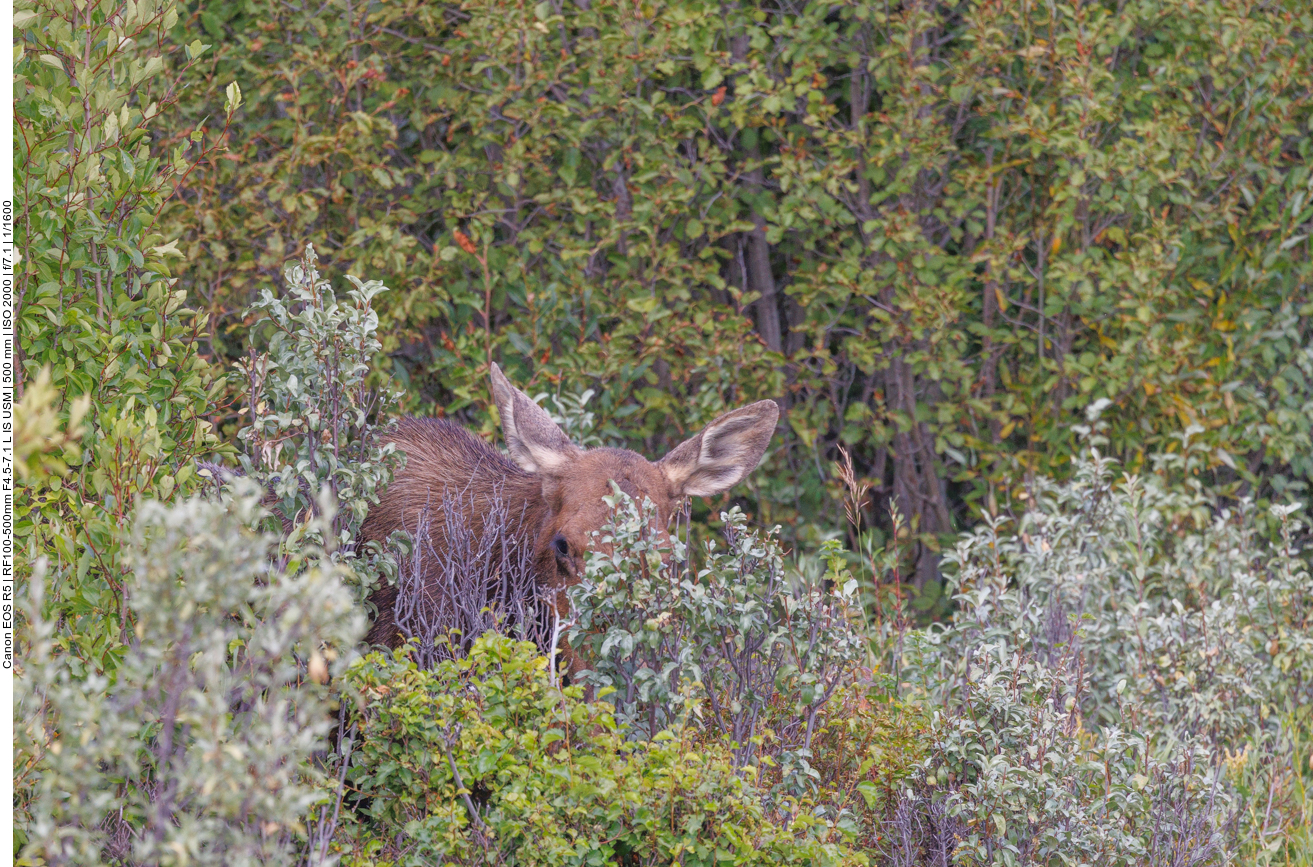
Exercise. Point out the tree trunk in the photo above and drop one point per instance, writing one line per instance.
(760, 278)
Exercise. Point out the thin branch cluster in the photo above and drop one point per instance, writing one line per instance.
(470, 580)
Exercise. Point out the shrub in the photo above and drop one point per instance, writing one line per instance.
(197, 751)
(313, 415)
(940, 229)
(866, 751)
(1274, 783)
(760, 649)
(1104, 661)
(197, 748)
(97, 303)
(1011, 777)
(1178, 619)
(483, 759)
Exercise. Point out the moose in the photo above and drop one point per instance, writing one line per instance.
(551, 489)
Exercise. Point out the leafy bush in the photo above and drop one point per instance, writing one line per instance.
(197, 751)
(938, 230)
(761, 650)
(97, 303)
(1105, 658)
(483, 759)
(1274, 784)
(1011, 777)
(44, 443)
(1179, 619)
(313, 415)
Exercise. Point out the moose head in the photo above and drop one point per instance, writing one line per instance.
(575, 480)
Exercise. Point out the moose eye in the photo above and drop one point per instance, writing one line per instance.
(561, 547)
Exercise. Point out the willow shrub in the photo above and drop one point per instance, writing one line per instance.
(198, 746)
(313, 420)
(762, 649)
(97, 301)
(1152, 646)
(198, 750)
(1011, 777)
(1182, 620)
(936, 231)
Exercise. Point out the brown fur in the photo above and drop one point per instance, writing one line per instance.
(552, 487)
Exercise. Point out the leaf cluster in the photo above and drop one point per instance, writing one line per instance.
(314, 419)
(198, 750)
(758, 650)
(484, 759)
(936, 231)
(97, 304)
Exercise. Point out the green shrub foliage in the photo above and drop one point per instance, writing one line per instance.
(195, 746)
(197, 751)
(484, 759)
(97, 302)
(936, 230)
(1171, 614)
(313, 416)
(1118, 664)
(1011, 777)
(760, 649)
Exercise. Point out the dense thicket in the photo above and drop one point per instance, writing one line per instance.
(976, 246)
(97, 303)
(937, 231)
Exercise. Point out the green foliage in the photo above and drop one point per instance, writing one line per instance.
(867, 748)
(1275, 784)
(938, 231)
(1182, 622)
(314, 417)
(164, 712)
(760, 650)
(572, 415)
(1012, 779)
(1154, 618)
(97, 304)
(197, 750)
(483, 759)
(44, 442)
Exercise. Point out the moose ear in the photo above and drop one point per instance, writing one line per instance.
(723, 454)
(534, 440)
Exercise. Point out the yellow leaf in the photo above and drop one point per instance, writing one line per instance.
(233, 97)
(169, 249)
